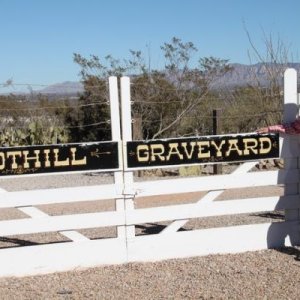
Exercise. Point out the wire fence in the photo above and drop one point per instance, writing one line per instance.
(156, 105)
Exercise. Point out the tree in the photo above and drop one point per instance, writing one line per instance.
(162, 99)
(89, 120)
(274, 60)
(167, 98)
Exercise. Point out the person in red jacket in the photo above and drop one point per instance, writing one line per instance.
(288, 128)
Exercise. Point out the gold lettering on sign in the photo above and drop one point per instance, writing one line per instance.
(2, 159)
(233, 146)
(250, 144)
(76, 162)
(157, 150)
(189, 155)
(203, 146)
(14, 155)
(47, 161)
(142, 153)
(36, 158)
(174, 151)
(60, 163)
(263, 141)
(218, 148)
(48, 158)
(194, 150)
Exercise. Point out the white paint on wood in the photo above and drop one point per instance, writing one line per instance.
(74, 236)
(217, 182)
(291, 143)
(33, 212)
(217, 208)
(60, 223)
(208, 198)
(50, 258)
(234, 239)
(291, 109)
(245, 167)
(59, 195)
(129, 193)
(114, 108)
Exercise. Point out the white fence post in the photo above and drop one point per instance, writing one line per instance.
(116, 136)
(127, 136)
(291, 143)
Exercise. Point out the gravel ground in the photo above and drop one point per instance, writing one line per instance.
(253, 275)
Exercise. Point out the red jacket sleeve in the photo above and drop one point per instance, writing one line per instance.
(289, 128)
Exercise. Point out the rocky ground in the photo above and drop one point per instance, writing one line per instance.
(267, 274)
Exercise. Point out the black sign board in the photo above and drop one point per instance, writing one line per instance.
(201, 150)
(100, 156)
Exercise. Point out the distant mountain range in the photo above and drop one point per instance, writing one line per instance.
(241, 75)
(63, 88)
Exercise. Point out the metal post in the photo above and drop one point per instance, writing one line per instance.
(137, 134)
(217, 130)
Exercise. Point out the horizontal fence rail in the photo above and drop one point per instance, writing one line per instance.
(234, 239)
(217, 208)
(217, 182)
(59, 195)
(42, 259)
(60, 223)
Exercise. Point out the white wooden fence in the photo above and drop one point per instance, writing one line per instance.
(170, 242)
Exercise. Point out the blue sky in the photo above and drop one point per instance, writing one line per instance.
(39, 37)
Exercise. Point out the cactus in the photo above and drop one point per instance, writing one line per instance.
(37, 132)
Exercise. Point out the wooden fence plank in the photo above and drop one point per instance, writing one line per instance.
(34, 212)
(217, 208)
(234, 239)
(60, 223)
(216, 182)
(50, 258)
(59, 195)
(209, 197)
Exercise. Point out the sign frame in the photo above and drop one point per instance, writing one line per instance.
(129, 151)
(55, 159)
